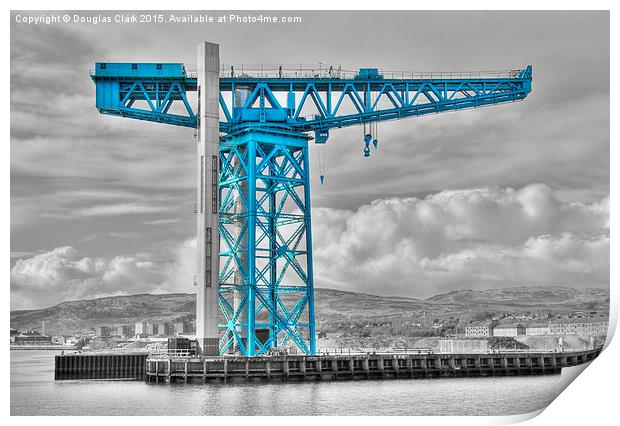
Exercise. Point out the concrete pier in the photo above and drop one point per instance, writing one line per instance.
(169, 369)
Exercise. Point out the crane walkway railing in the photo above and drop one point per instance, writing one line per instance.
(330, 72)
(250, 71)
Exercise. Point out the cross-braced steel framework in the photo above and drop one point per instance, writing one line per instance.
(266, 272)
(265, 288)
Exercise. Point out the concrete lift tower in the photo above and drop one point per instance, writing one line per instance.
(207, 231)
(254, 274)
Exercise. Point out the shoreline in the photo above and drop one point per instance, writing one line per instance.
(42, 348)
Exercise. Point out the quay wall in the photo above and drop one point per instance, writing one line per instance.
(169, 369)
(174, 368)
(105, 366)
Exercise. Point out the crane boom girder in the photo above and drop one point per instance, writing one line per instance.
(298, 104)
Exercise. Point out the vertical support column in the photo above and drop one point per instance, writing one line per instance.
(273, 268)
(241, 237)
(302, 367)
(251, 289)
(208, 237)
(240, 97)
(285, 367)
(396, 366)
(310, 280)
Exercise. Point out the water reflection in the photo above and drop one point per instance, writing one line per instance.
(34, 392)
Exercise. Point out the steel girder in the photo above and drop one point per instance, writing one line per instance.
(266, 255)
(265, 289)
(301, 104)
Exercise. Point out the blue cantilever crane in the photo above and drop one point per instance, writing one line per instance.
(265, 282)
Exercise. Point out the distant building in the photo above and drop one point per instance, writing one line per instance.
(181, 327)
(125, 330)
(59, 340)
(537, 329)
(32, 338)
(580, 326)
(140, 328)
(480, 329)
(508, 330)
(164, 329)
(71, 340)
(146, 329)
(103, 331)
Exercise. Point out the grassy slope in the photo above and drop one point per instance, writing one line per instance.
(331, 305)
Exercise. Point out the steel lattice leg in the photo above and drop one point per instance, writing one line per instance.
(265, 290)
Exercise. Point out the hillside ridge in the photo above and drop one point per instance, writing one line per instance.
(331, 306)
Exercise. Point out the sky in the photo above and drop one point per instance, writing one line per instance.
(505, 196)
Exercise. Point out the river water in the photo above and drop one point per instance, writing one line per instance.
(34, 392)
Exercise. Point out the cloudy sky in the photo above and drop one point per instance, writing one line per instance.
(511, 195)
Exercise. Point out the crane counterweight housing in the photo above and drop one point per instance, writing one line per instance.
(259, 178)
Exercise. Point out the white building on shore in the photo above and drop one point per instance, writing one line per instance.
(508, 330)
(537, 329)
(579, 326)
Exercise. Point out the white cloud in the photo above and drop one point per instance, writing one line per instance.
(409, 246)
(20, 254)
(120, 209)
(180, 272)
(162, 221)
(65, 274)
(453, 239)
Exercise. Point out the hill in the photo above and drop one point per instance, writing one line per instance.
(529, 297)
(332, 306)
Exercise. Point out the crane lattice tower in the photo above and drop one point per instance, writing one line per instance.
(254, 273)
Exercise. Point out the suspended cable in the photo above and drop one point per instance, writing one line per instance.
(320, 148)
